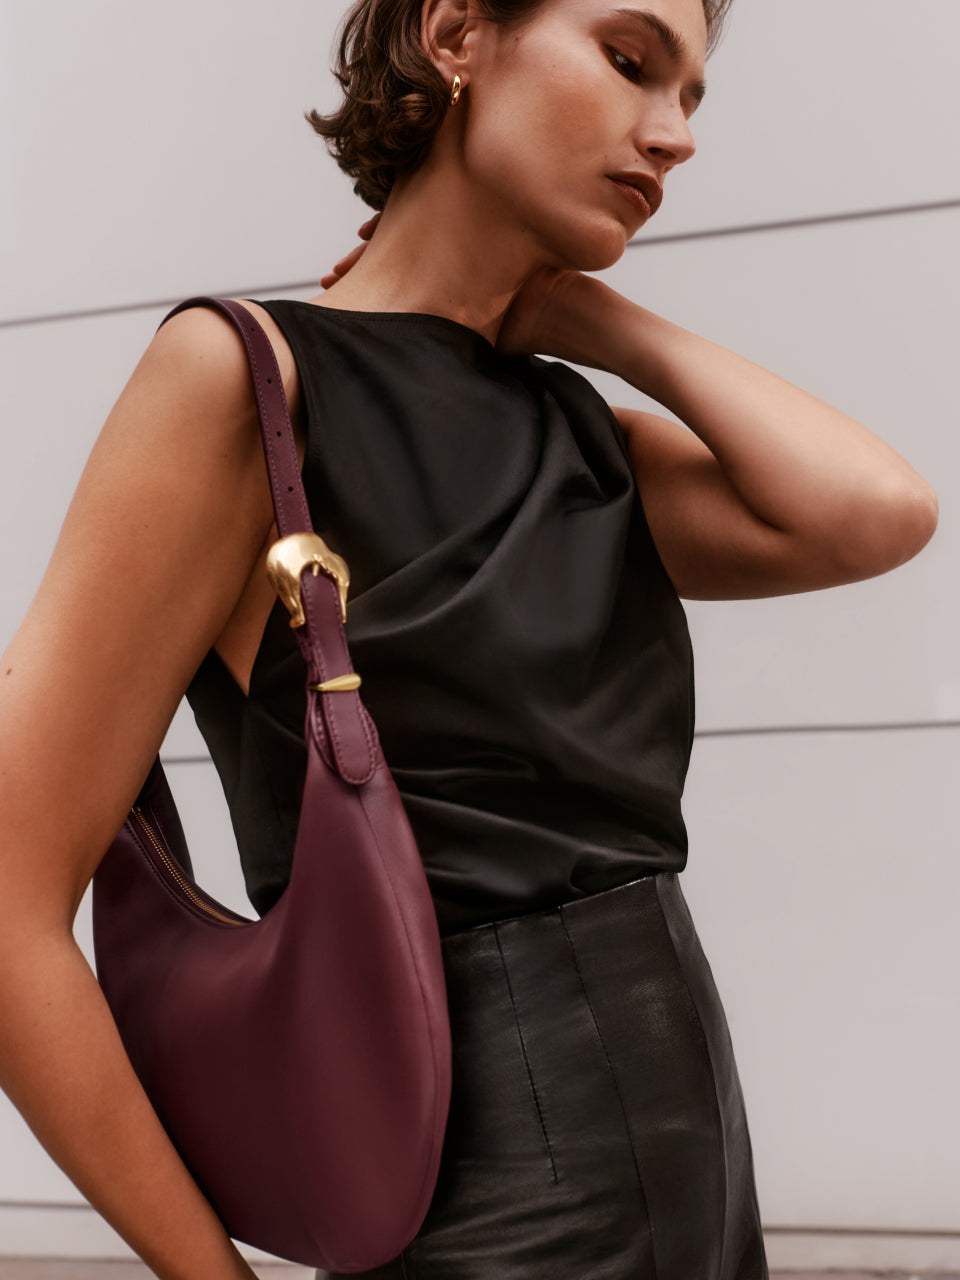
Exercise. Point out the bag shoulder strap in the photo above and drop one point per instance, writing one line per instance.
(353, 746)
(279, 445)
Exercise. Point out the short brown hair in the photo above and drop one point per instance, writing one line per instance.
(394, 98)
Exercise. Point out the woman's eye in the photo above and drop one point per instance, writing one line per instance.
(626, 66)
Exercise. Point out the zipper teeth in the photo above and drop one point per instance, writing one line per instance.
(177, 874)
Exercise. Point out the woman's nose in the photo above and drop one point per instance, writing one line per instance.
(666, 137)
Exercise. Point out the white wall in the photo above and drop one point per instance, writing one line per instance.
(152, 152)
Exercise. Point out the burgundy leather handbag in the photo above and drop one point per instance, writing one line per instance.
(300, 1062)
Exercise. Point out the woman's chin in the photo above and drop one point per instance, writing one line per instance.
(596, 247)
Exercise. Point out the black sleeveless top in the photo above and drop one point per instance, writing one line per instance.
(522, 650)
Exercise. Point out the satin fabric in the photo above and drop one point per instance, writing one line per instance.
(596, 1124)
(523, 652)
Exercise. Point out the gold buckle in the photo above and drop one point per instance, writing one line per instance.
(339, 684)
(288, 558)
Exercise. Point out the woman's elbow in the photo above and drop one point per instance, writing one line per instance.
(891, 529)
(926, 514)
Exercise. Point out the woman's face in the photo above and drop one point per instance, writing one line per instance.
(567, 112)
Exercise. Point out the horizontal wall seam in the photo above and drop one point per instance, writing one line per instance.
(93, 313)
(873, 1233)
(791, 224)
(746, 229)
(759, 731)
(770, 730)
(46, 1204)
(912, 1233)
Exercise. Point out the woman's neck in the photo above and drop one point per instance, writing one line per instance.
(439, 249)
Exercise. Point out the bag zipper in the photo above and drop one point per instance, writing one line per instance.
(178, 875)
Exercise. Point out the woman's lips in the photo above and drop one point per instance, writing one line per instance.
(644, 193)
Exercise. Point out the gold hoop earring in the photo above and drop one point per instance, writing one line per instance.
(455, 91)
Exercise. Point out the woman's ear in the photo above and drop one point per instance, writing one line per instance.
(446, 28)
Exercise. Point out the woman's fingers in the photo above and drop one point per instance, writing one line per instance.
(369, 227)
(341, 268)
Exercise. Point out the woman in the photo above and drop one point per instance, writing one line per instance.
(517, 555)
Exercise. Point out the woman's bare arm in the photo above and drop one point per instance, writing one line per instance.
(771, 491)
(159, 541)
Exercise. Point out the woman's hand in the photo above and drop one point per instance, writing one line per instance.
(559, 313)
(341, 268)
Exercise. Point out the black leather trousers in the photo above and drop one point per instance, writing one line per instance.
(596, 1128)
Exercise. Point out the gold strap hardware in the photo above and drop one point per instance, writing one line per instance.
(288, 558)
(339, 684)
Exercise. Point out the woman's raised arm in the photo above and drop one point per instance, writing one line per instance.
(163, 532)
(771, 491)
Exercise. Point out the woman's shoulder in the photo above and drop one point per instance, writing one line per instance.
(200, 351)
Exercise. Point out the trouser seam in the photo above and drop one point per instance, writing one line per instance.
(616, 1086)
(526, 1060)
(713, 1074)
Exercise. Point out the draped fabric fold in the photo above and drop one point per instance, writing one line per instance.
(523, 652)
